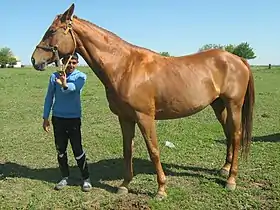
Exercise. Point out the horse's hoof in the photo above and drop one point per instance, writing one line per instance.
(224, 172)
(122, 190)
(160, 196)
(230, 186)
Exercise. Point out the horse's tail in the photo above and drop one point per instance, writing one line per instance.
(247, 113)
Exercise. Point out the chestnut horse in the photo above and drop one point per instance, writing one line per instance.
(142, 86)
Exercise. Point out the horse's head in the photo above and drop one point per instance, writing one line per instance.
(57, 42)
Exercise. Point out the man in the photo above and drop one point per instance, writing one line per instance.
(66, 89)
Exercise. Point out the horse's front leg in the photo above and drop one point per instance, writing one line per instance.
(147, 127)
(128, 132)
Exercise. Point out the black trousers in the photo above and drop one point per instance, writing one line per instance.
(66, 129)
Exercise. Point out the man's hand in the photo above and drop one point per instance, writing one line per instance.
(62, 79)
(46, 125)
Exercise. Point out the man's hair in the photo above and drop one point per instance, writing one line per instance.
(74, 56)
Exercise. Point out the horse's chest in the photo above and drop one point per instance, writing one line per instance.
(118, 106)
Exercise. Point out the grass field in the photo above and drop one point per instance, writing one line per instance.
(28, 158)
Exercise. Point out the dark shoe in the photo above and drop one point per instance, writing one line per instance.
(63, 183)
(86, 185)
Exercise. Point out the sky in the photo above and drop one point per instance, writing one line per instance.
(176, 26)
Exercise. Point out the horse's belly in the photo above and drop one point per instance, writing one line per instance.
(182, 107)
(165, 114)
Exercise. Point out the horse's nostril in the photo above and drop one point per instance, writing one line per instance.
(32, 60)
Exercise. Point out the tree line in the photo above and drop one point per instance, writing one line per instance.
(243, 49)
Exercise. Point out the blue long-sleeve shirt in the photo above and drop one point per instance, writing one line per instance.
(65, 103)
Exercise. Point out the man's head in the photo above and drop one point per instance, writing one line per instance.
(72, 64)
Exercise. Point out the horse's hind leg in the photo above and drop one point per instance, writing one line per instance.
(221, 113)
(234, 116)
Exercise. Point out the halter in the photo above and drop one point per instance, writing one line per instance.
(54, 48)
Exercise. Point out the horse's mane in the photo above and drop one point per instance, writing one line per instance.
(114, 35)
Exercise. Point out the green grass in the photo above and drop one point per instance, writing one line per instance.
(29, 168)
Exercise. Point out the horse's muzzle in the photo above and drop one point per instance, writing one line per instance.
(38, 66)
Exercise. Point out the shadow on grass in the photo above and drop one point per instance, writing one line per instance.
(274, 138)
(268, 138)
(107, 170)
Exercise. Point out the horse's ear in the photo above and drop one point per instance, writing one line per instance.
(68, 13)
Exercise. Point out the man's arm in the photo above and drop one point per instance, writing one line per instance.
(77, 85)
(49, 97)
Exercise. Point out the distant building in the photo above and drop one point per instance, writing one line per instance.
(18, 63)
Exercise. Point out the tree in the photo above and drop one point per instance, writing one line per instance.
(12, 61)
(7, 57)
(230, 48)
(210, 46)
(245, 51)
(165, 54)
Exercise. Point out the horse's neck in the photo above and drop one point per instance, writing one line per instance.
(105, 53)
